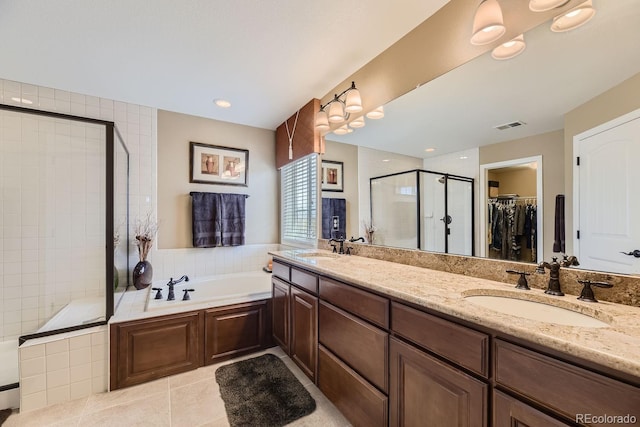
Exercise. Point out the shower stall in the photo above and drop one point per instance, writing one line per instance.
(420, 209)
(64, 250)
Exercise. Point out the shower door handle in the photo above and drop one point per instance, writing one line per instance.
(446, 219)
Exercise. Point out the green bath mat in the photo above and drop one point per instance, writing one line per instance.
(262, 392)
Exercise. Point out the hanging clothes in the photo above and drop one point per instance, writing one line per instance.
(512, 226)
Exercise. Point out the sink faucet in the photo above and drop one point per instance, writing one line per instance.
(553, 288)
(341, 242)
(171, 283)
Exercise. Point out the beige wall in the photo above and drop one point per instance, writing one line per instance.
(175, 131)
(348, 154)
(613, 103)
(517, 180)
(551, 146)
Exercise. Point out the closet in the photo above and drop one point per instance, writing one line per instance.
(512, 228)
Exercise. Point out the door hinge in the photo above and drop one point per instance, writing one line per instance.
(578, 161)
(578, 232)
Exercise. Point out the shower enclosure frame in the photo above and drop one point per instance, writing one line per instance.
(447, 176)
(110, 132)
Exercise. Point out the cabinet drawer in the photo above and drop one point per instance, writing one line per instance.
(304, 280)
(280, 270)
(358, 400)
(567, 389)
(361, 345)
(371, 307)
(463, 346)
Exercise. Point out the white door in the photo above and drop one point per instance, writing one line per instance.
(609, 197)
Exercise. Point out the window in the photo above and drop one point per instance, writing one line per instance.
(299, 188)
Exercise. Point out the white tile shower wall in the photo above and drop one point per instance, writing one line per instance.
(63, 369)
(38, 274)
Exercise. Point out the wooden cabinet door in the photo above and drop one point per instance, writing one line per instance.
(304, 331)
(145, 350)
(427, 392)
(280, 310)
(510, 412)
(239, 329)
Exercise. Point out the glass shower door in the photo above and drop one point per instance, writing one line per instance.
(460, 216)
(394, 210)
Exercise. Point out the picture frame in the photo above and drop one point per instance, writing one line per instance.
(215, 164)
(332, 176)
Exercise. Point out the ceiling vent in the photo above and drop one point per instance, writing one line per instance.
(509, 125)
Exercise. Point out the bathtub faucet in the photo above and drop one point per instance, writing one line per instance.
(171, 283)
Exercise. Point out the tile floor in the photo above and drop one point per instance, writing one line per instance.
(191, 399)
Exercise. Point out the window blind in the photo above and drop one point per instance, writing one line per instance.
(299, 200)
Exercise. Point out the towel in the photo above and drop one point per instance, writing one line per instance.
(218, 219)
(559, 232)
(334, 208)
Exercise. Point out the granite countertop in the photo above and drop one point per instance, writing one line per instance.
(616, 346)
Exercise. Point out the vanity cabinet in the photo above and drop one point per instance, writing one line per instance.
(295, 315)
(426, 391)
(510, 412)
(353, 362)
(561, 387)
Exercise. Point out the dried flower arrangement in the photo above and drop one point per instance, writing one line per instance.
(145, 230)
(369, 229)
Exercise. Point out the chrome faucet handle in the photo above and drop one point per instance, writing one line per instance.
(522, 280)
(587, 293)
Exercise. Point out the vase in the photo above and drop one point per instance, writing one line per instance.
(142, 274)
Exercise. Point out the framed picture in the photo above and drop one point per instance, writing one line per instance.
(213, 164)
(332, 176)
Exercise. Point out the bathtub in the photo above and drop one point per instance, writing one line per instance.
(213, 291)
(78, 312)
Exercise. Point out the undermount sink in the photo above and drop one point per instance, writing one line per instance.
(535, 310)
(317, 255)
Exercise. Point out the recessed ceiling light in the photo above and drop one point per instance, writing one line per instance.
(463, 157)
(386, 160)
(429, 150)
(22, 100)
(222, 103)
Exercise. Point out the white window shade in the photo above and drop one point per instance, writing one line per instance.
(299, 189)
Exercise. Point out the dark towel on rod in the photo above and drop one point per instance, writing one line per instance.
(558, 235)
(330, 208)
(218, 219)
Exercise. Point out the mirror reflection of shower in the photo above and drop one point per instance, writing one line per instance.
(423, 210)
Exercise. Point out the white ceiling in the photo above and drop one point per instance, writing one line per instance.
(556, 73)
(268, 57)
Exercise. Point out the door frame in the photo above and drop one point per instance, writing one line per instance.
(577, 140)
(484, 181)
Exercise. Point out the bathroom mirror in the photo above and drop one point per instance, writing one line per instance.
(544, 88)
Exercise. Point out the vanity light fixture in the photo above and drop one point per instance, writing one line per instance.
(376, 114)
(357, 123)
(488, 25)
(509, 49)
(544, 5)
(574, 18)
(338, 109)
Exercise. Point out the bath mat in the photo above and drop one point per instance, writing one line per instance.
(262, 392)
(4, 414)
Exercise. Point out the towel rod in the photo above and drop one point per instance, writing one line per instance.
(206, 192)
